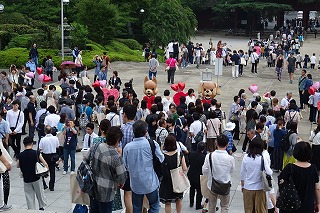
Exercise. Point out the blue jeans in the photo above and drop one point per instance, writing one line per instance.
(153, 199)
(100, 207)
(184, 62)
(66, 153)
(190, 59)
(35, 60)
(152, 74)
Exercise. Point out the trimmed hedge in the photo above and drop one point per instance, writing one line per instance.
(116, 51)
(131, 43)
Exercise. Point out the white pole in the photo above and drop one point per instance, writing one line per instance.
(62, 32)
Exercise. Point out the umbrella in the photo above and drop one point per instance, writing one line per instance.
(68, 63)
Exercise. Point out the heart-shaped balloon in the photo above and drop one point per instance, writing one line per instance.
(103, 83)
(253, 88)
(316, 85)
(39, 70)
(175, 87)
(40, 78)
(46, 78)
(107, 92)
(30, 74)
(311, 90)
(181, 86)
(96, 84)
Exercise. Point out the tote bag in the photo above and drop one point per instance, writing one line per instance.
(6, 155)
(179, 179)
(204, 186)
(77, 196)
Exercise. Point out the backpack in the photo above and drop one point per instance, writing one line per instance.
(156, 162)
(285, 143)
(158, 138)
(83, 121)
(199, 136)
(85, 175)
(41, 125)
(288, 125)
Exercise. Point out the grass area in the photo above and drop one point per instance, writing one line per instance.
(117, 50)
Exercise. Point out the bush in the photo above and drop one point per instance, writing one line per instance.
(18, 28)
(131, 43)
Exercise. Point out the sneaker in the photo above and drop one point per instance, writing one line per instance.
(5, 207)
(64, 172)
(72, 172)
(204, 210)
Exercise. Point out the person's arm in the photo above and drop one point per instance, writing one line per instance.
(20, 123)
(31, 119)
(159, 153)
(205, 166)
(43, 161)
(5, 162)
(183, 164)
(273, 200)
(242, 173)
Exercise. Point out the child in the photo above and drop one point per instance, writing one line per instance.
(269, 60)
(246, 58)
(84, 72)
(166, 100)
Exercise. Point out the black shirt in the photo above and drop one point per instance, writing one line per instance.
(27, 161)
(32, 108)
(196, 160)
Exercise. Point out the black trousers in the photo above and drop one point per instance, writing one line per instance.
(254, 67)
(236, 131)
(16, 143)
(26, 116)
(245, 142)
(301, 98)
(171, 73)
(52, 171)
(6, 186)
(194, 186)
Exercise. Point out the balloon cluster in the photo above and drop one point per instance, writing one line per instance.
(102, 84)
(315, 87)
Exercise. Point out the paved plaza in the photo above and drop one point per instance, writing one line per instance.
(59, 200)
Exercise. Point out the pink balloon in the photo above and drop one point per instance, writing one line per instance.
(40, 78)
(103, 83)
(316, 85)
(253, 88)
(30, 74)
(107, 92)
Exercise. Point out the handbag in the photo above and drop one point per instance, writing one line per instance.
(204, 186)
(267, 180)
(179, 179)
(6, 155)
(77, 196)
(41, 170)
(242, 61)
(288, 199)
(234, 117)
(217, 187)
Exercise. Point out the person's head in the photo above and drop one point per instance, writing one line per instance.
(275, 101)
(213, 102)
(259, 127)
(52, 87)
(262, 119)
(144, 104)
(236, 99)
(172, 108)
(309, 76)
(199, 109)
(162, 123)
(161, 116)
(3, 74)
(170, 143)
(289, 95)
(170, 122)
(182, 100)
(292, 106)
(15, 105)
(114, 136)
(104, 126)
(258, 98)
(218, 105)
(240, 92)
(113, 109)
(270, 112)
(243, 96)
(139, 128)
(196, 116)
(48, 130)
(222, 141)
(303, 72)
(125, 94)
(154, 109)
(63, 118)
(115, 73)
(254, 104)
(51, 109)
(171, 55)
(160, 106)
(280, 123)
(180, 111)
(157, 100)
(32, 98)
(28, 141)
(190, 92)
(201, 147)
(166, 92)
(129, 112)
(251, 133)
(293, 126)
(212, 115)
(72, 82)
(255, 148)
(40, 91)
(89, 128)
(302, 151)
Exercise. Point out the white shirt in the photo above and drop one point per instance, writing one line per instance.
(170, 47)
(86, 140)
(195, 127)
(45, 94)
(223, 165)
(166, 103)
(254, 57)
(49, 144)
(313, 59)
(52, 120)
(315, 139)
(285, 102)
(189, 100)
(12, 118)
(39, 113)
(251, 172)
(113, 118)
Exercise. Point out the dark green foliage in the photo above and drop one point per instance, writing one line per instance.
(131, 43)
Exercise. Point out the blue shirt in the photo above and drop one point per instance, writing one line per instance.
(127, 134)
(230, 138)
(102, 76)
(4, 129)
(89, 111)
(271, 130)
(137, 158)
(31, 65)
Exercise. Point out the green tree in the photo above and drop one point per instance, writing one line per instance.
(167, 20)
(79, 35)
(101, 17)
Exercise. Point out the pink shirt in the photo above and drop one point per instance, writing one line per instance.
(171, 62)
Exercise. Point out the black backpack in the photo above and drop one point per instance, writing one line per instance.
(285, 143)
(156, 162)
(41, 125)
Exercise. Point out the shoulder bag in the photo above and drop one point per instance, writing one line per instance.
(180, 181)
(199, 136)
(13, 128)
(217, 187)
(288, 199)
(267, 180)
